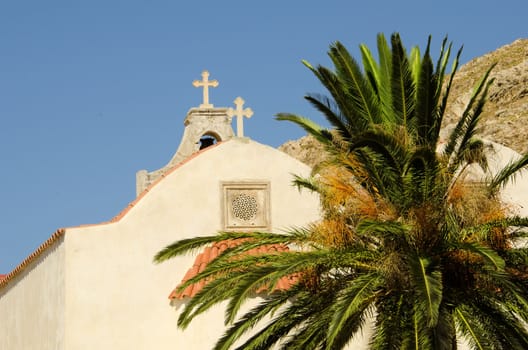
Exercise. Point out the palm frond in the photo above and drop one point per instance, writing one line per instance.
(267, 275)
(309, 126)
(419, 336)
(489, 255)
(441, 73)
(444, 334)
(427, 280)
(250, 319)
(420, 177)
(427, 125)
(402, 84)
(390, 320)
(352, 302)
(300, 310)
(447, 90)
(385, 70)
(328, 109)
(394, 231)
(492, 322)
(371, 67)
(470, 328)
(309, 183)
(340, 94)
(378, 177)
(465, 145)
(213, 293)
(415, 62)
(468, 121)
(359, 90)
(186, 246)
(507, 174)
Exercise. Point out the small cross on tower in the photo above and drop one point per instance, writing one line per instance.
(205, 83)
(240, 113)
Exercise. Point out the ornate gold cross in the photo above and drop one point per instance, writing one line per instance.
(240, 113)
(205, 83)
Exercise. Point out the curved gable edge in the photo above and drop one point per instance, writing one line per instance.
(6, 279)
(61, 231)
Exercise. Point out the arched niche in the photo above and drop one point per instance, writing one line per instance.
(209, 138)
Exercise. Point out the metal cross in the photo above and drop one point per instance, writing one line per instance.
(205, 83)
(240, 113)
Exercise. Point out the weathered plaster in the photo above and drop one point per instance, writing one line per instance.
(32, 306)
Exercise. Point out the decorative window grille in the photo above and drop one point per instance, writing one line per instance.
(246, 206)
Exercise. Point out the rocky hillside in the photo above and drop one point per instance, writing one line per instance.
(505, 118)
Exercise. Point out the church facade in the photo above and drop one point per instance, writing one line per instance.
(96, 287)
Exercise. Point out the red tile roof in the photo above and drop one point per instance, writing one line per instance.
(210, 253)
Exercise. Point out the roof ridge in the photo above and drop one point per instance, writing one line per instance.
(33, 256)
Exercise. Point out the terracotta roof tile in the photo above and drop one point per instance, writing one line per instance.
(210, 253)
(41, 249)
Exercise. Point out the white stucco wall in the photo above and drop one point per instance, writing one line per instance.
(32, 305)
(116, 298)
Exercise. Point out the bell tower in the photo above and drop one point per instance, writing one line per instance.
(205, 125)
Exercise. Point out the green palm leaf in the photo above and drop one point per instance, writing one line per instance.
(384, 87)
(466, 125)
(402, 84)
(252, 317)
(470, 328)
(489, 255)
(352, 302)
(427, 125)
(309, 126)
(507, 174)
(427, 280)
(359, 90)
(443, 60)
(326, 106)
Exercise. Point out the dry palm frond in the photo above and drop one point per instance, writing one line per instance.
(474, 205)
(333, 233)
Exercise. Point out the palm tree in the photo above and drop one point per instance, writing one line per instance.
(407, 245)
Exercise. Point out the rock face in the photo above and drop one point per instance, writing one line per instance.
(306, 149)
(505, 117)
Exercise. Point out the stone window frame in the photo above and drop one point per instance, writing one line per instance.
(249, 185)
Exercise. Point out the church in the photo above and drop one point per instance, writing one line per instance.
(96, 286)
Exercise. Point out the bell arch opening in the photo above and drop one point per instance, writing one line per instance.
(209, 139)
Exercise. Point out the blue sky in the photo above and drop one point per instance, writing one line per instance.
(93, 91)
